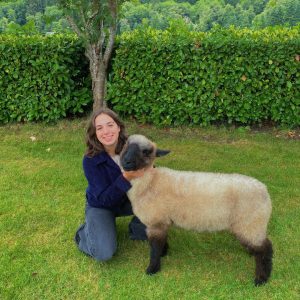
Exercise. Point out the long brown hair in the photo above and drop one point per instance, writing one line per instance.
(94, 147)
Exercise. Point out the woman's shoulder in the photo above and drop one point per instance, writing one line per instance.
(96, 159)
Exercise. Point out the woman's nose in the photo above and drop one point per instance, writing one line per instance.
(105, 130)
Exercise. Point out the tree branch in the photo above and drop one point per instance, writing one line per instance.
(92, 17)
(94, 14)
(101, 40)
(110, 45)
(83, 18)
(75, 27)
(112, 4)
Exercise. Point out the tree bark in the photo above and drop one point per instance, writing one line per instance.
(98, 70)
(99, 86)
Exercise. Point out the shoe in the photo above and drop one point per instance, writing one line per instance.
(77, 238)
(137, 230)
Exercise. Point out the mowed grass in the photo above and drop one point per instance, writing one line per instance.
(42, 199)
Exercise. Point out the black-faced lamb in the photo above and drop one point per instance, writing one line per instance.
(199, 201)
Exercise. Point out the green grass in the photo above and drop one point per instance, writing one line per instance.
(42, 204)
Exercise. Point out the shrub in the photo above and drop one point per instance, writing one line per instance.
(42, 78)
(176, 77)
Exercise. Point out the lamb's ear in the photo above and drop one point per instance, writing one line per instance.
(160, 152)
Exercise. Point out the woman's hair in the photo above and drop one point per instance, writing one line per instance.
(94, 147)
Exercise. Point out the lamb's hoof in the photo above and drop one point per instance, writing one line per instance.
(260, 281)
(151, 270)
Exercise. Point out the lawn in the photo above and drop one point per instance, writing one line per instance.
(42, 202)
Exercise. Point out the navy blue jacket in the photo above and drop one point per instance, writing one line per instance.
(106, 185)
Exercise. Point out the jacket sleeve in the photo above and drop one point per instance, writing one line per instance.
(103, 190)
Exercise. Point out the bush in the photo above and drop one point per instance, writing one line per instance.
(42, 78)
(177, 77)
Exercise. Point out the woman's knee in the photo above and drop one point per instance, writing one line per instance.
(104, 253)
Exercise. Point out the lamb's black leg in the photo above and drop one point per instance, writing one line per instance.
(165, 250)
(158, 248)
(263, 260)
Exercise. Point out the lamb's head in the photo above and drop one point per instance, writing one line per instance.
(139, 152)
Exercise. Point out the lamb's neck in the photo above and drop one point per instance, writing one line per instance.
(140, 184)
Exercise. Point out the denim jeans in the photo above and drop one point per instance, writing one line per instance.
(97, 236)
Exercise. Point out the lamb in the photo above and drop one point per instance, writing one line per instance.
(198, 201)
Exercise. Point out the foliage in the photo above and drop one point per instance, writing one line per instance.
(14, 11)
(42, 78)
(28, 29)
(226, 75)
(258, 6)
(45, 14)
(279, 12)
(201, 15)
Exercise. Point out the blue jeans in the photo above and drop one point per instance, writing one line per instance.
(97, 236)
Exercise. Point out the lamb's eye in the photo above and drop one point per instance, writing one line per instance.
(147, 152)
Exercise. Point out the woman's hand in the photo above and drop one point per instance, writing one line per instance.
(129, 175)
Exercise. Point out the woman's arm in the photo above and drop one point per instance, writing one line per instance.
(129, 175)
(106, 186)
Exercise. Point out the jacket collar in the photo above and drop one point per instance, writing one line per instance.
(103, 157)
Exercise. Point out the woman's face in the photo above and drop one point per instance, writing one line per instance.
(107, 131)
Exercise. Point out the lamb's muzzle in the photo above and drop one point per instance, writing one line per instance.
(198, 201)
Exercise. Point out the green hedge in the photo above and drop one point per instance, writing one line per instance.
(42, 78)
(166, 78)
(227, 75)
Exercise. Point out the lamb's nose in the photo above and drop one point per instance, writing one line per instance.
(126, 163)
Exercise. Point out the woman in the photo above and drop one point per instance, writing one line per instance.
(107, 186)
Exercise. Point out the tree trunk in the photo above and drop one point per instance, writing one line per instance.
(98, 75)
(99, 86)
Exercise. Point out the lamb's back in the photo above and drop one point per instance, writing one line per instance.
(202, 200)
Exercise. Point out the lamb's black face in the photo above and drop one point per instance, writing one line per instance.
(135, 156)
(139, 153)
